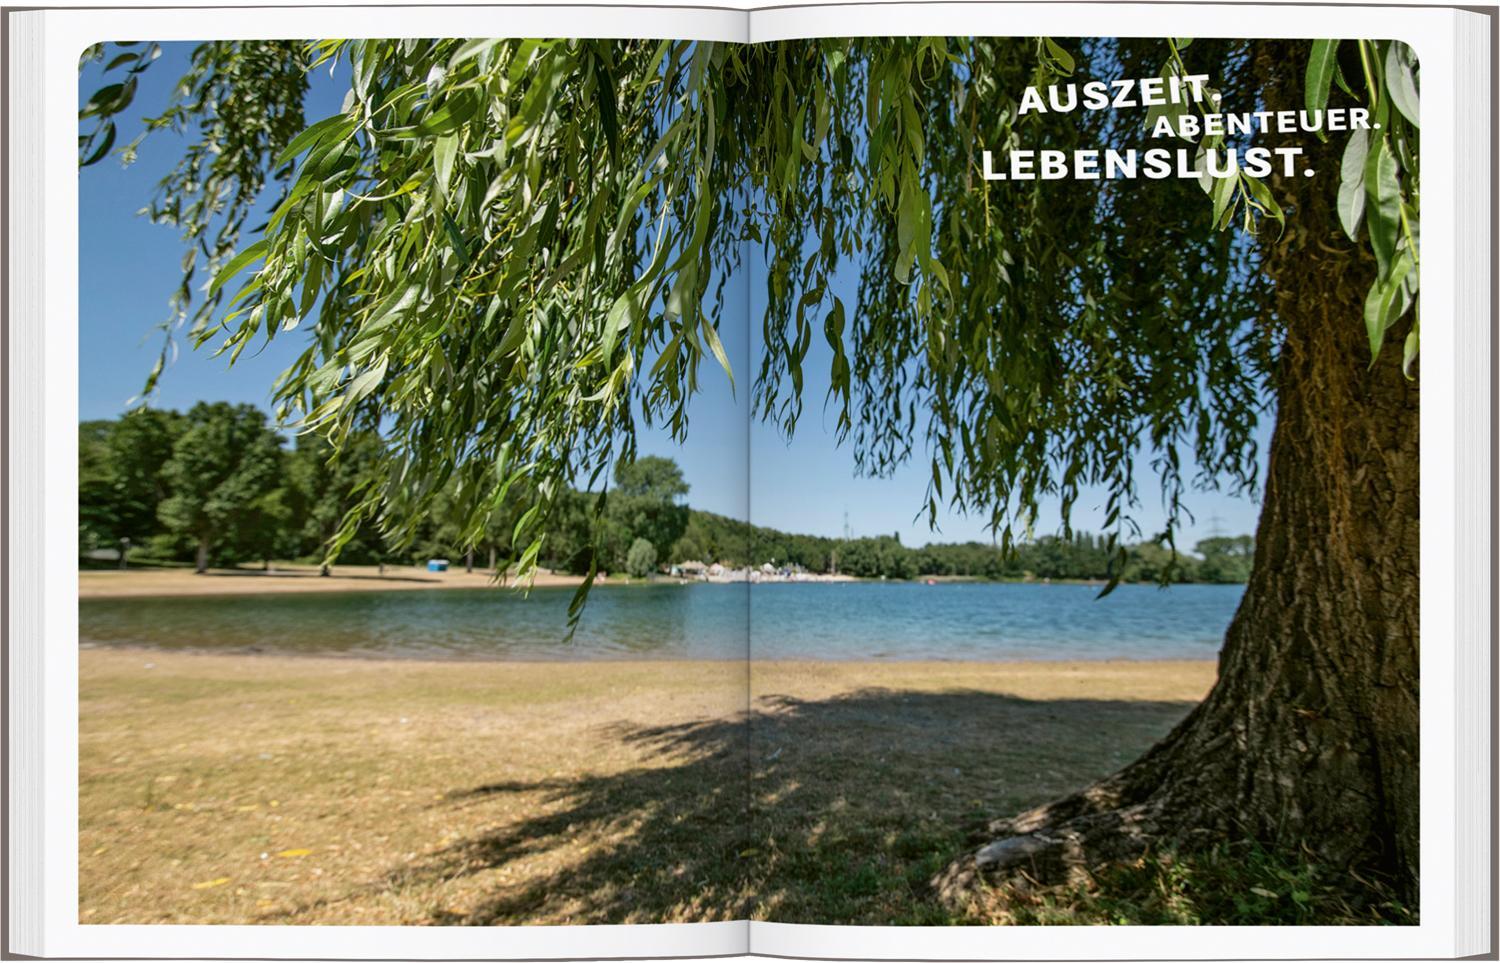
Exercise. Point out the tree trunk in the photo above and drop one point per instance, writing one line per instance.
(1309, 738)
(324, 571)
(201, 565)
(493, 561)
(469, 562)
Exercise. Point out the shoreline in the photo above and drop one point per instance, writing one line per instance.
(291, 579)
(145, 583)
(658, 661)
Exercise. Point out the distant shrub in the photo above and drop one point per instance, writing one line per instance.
(640, 561)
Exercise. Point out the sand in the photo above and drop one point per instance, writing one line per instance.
(270, 789)
(137, 583)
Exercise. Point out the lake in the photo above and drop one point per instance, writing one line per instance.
(835, 621)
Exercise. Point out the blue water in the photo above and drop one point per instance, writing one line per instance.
(856, 620)
(980, 620)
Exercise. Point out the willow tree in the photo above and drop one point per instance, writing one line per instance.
(504, 254)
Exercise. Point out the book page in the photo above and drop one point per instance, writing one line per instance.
(1072, 349)
(411, 583)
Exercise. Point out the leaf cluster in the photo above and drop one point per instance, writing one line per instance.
(1379, 177)
(500, 255)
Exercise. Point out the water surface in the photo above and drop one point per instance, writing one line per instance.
(855, 620)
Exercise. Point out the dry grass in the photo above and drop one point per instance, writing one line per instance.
(245, 789)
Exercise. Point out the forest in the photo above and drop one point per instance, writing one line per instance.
(218, 485)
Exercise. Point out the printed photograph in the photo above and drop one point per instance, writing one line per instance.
(885, 481)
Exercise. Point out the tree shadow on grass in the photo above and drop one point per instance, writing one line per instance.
(831, 811)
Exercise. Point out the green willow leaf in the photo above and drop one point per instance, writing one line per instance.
(1061, 57)
(608, 110)
(456, 237)
(335, 128)
(1223, 197)
(833, 326)
(711, 335)
(1401, 81)
(1382, 203)
(1384, 304)
(103, 101)
(1351, 199)
(1322, 65)
(581, 594)
(621, 314)
(1262, 197)
(472, 49)
(237, 264)
(366, 382)
(1412, 346)
(444, 150)
(458, 109)
(105, 143)
(1174, 111)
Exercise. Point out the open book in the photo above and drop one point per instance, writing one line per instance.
(838, 481)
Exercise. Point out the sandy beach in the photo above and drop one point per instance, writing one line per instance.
(142, 582)
(269, 789)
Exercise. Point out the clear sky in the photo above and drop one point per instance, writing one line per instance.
(129, 267)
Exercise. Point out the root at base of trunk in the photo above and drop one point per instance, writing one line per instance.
(1147, 863)
(1152, 851)
(1119, 820)
(1053, 845)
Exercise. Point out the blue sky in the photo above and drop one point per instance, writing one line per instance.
(129, 267)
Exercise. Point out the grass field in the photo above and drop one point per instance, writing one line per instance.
(259, 789)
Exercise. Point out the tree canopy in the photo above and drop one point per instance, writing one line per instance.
(504, 253)
(220, 470)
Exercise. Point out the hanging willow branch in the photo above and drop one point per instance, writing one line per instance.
(502, 253)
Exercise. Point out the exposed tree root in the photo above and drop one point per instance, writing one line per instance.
(1142, 862)
(1062, 842)
(1142, 809)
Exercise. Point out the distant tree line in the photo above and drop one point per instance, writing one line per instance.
(1081, 556)
(216, 485)
(219, 485)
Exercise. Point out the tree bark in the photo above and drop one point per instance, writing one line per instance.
(201, 565)
(1309, 738)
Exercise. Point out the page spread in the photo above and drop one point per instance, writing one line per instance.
(790, 469)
